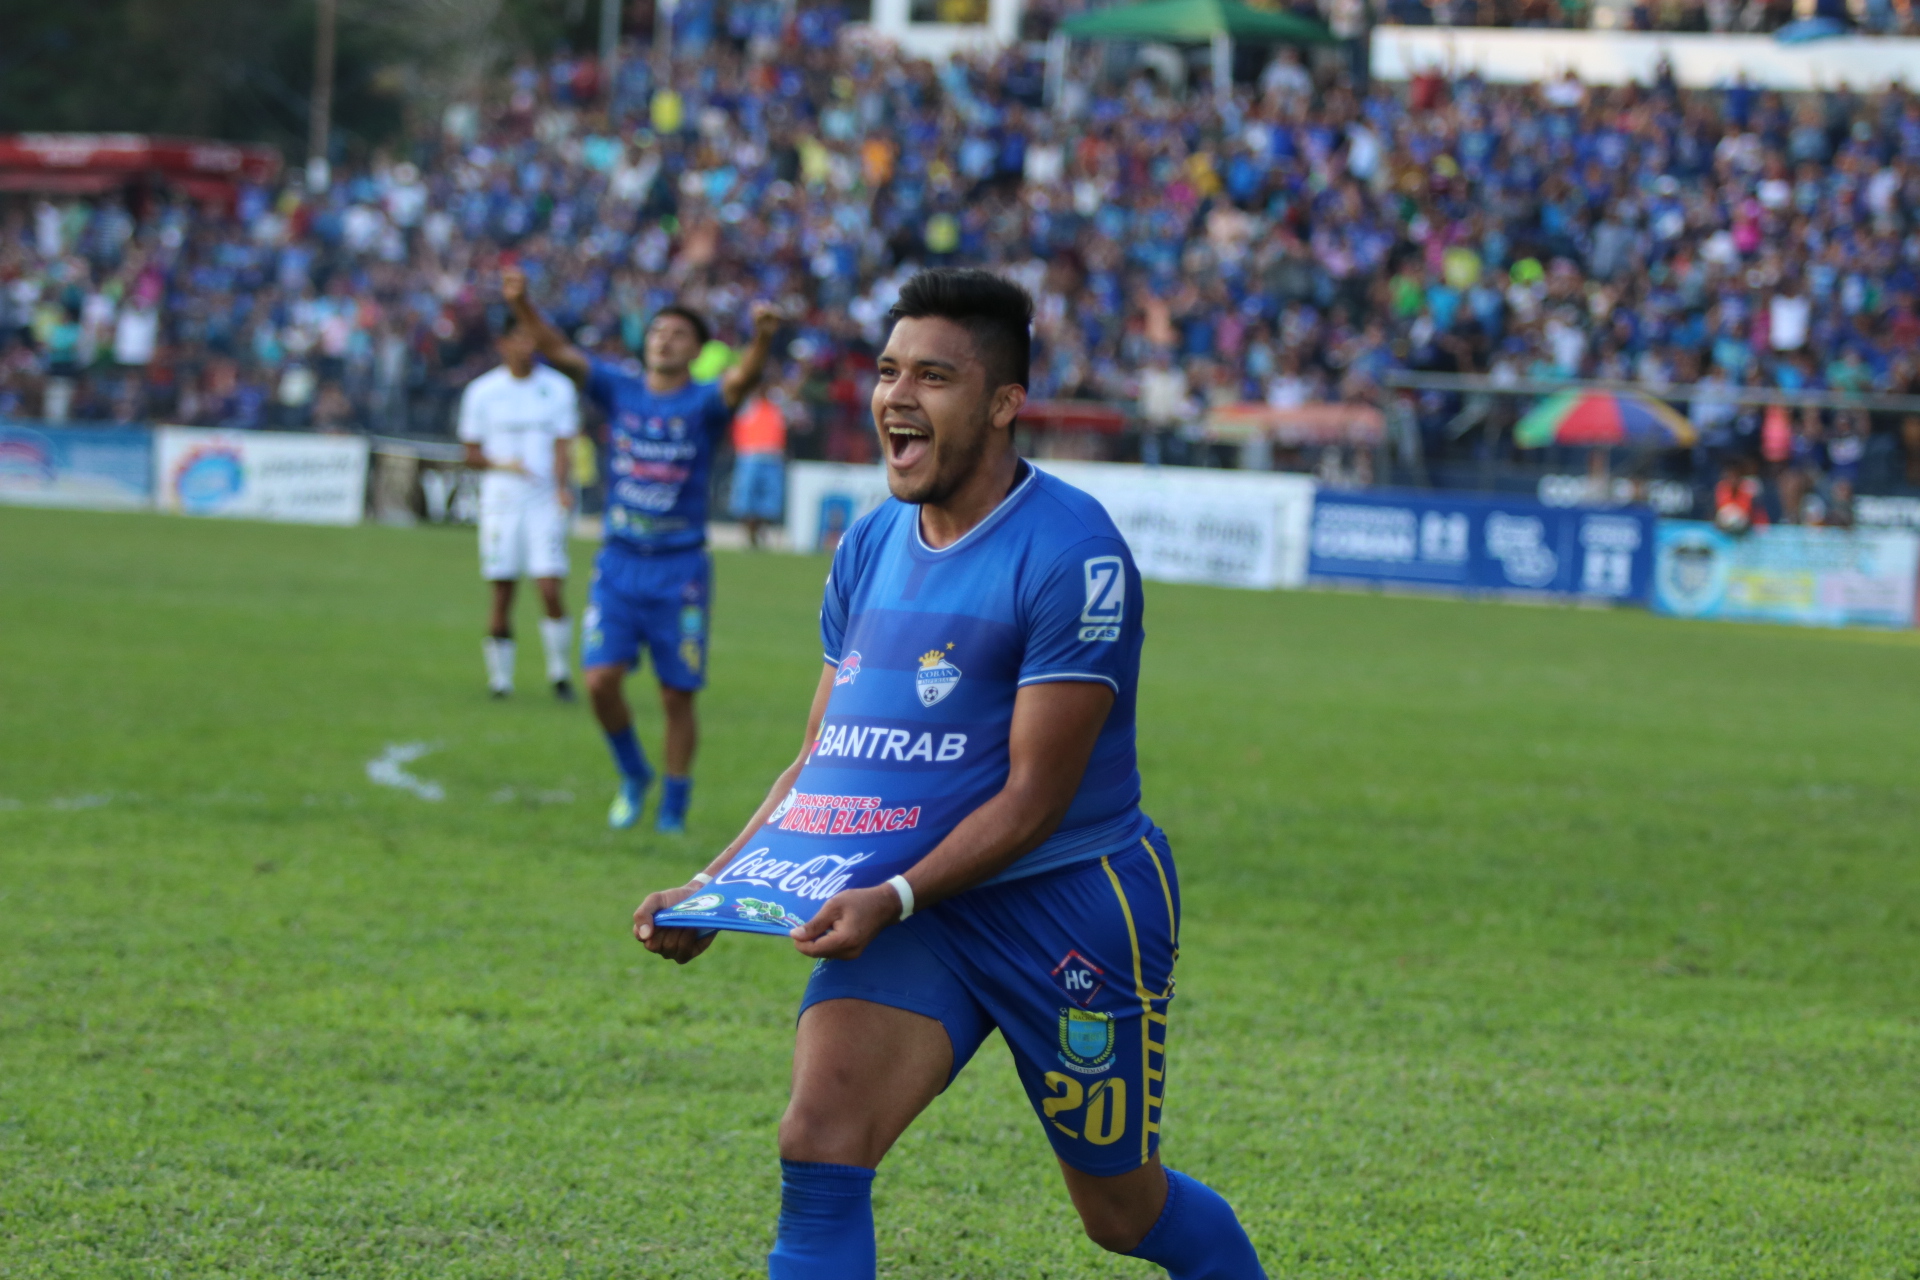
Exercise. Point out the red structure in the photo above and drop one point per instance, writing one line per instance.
(99, 163)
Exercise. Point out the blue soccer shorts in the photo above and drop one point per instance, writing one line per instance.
(660, 601)
(1075, 968)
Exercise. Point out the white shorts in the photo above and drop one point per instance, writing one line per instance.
(522, 536)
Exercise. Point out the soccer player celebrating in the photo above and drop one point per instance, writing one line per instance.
(518, 422)
(653, 579)
(994, 611)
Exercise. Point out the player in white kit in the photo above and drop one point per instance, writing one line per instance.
(519, 422)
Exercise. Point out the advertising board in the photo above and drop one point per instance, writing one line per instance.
(106, 468)
(825, 498)
(261, 475)
(1813, 577)
(1480, 544)
(1893, 512)
(1228, 528)
(1695, 60)
(1186, 524)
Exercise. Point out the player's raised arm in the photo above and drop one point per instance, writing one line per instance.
(1055, 726)
(683, 945)
(737, 383)
(553, 345)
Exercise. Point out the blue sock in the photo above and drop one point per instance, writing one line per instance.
(1197, 1237)
(826, 1223)
(627, 756)
(675, 796)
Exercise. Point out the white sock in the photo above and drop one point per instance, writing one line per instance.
(557, 635)
(499, 663)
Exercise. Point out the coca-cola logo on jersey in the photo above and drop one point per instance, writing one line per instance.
(816, 878)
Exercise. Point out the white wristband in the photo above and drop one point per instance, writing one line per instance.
(702, 880)
(905, 890)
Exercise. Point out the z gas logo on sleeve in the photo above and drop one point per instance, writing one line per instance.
(1106, 607)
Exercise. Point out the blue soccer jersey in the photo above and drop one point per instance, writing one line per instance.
(931, 647)
(659, 453)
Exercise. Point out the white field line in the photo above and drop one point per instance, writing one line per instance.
(511, 795)
(389, 770)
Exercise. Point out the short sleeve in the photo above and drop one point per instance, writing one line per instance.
(470, 429)
(566, 419)
(1082, 616)
(834, 602)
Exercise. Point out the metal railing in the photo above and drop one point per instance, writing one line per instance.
(1723, 393)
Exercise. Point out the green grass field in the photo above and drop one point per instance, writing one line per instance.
(1518, 941)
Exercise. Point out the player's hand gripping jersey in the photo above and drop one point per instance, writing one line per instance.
(930, 649)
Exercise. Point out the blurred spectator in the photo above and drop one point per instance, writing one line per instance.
(759, 464)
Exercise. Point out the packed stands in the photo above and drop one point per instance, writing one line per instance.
(1301, 242)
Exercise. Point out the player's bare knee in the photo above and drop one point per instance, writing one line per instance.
(603, 684)
(1114, 1232)
(822, 1135)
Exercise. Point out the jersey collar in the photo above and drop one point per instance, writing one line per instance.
(992, 517)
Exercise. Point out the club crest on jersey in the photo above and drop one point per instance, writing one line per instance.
(1078, 978)
(848, 670)
(936, 677)
(1086, 1041)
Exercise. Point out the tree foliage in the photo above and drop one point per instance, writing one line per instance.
(243, 69)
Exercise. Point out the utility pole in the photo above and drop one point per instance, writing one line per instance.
(320, 108)
(609, 47)
(663, 40)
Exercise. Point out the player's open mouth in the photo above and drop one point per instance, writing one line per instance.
(907, 444)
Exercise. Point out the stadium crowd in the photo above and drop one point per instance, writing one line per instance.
(1291, 244)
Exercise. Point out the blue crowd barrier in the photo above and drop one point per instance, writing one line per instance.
(96, 467)
(1481, 544)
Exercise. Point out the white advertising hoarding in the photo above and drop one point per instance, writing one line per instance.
(1699, 61)
(261, 475)
(1187, 524)
(1228, 528)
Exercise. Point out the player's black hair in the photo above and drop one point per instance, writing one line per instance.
(509, 322)
(997, 313)
(692, 317)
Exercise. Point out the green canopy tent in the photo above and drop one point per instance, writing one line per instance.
(1215, 22)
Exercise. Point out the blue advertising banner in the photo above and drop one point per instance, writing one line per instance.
(1812, 577)
(98, 467)
(1481, 544)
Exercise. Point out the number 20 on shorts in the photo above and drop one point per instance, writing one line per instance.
(1105, 1118)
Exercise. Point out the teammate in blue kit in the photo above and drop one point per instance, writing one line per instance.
(973, 722)
(652, 582)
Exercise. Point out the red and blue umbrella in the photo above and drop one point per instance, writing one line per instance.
(1603, 420)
